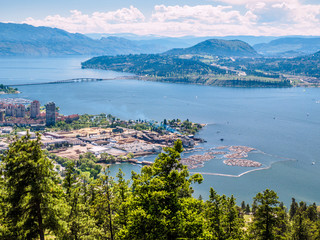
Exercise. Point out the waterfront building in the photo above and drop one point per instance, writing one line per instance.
(50, 114)
(35, 109)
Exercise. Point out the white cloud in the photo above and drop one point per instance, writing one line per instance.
(264, 17)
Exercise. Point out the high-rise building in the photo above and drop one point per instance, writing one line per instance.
(50, 114)
(20, 110)
(10, 110)
(35, 109)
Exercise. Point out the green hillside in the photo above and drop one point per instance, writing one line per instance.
(216, 47)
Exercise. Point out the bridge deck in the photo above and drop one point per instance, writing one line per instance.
(73, 80)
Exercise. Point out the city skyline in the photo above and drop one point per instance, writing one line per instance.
(171, 18)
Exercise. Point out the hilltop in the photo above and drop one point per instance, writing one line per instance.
(217, 47)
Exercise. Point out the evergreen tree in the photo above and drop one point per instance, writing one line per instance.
(122, 193)
(312, 212)
(268, 219)
(301, 227)
(293, 208)
(243, 205)
(103, 207)
(247, 209)
(81, 226)
(223, 219)
(33, 196)
(70, 179)
(161, 206)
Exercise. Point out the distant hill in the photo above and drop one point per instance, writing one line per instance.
(289, 47)
(151, 64)
(174, 69)
(217, 47)
(27, 40)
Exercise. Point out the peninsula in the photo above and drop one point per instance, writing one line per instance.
(8, 90)
(202, 70)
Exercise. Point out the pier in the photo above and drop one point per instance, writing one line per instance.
(74, 80)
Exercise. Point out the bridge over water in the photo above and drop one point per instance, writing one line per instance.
(74, 80)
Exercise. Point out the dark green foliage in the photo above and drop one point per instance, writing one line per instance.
(269, 219)
(301, 227)
(243, 205)
(33, 198)
(103, 206)
(247, 210)
(158, 204)
(161, 206)
(293, 208)
(223, 218)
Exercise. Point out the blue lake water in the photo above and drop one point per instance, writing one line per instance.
(283, 124)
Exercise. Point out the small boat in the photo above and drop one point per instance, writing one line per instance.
(313, 163)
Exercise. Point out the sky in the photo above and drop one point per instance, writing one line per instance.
(174, 18)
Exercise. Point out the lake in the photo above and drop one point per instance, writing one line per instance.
(282, 124)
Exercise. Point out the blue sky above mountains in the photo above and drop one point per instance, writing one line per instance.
(170, 18)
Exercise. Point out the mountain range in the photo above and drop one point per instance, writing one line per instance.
(27, 40)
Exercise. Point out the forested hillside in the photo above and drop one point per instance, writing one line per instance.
(151, 64)
(175, 69)
(307, 65)
(157, 203)
(217, 47)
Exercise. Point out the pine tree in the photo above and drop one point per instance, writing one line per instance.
(34, 198)
(103, 206)
(312, 212)
(122, 197)
(293, 208)
(268, 219)
(247, 208)
(161, 206)
(243, 205)
(70, 179)
(80, 225)
(301, 227)
(223, 219)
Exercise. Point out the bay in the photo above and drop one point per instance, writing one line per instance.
(282, 124)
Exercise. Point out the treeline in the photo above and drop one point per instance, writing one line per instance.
(157, 203)
(253, 83)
